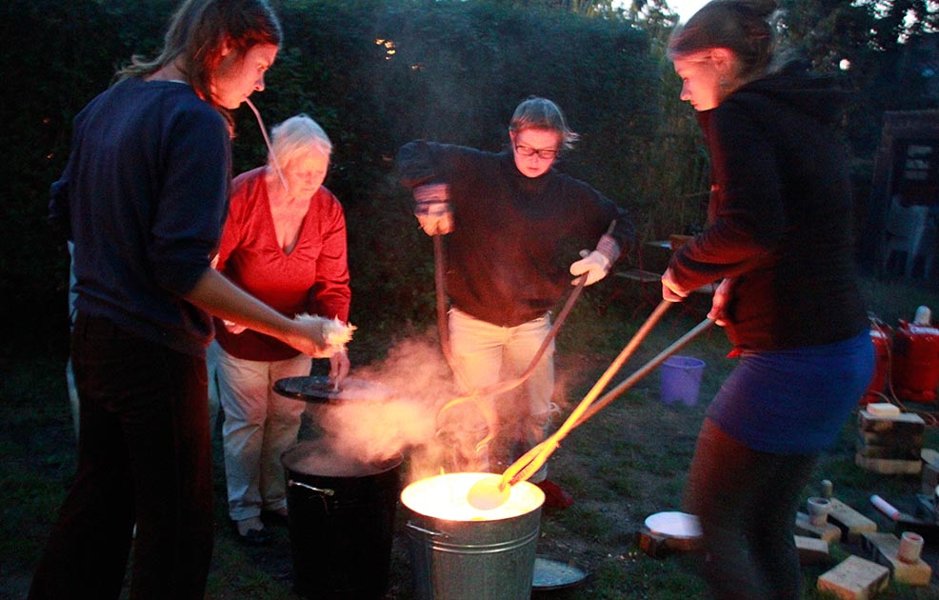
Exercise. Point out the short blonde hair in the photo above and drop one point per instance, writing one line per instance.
(295, 136)
(541, 113)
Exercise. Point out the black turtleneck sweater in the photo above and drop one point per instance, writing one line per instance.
(514, 237)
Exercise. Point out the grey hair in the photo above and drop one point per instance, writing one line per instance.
(541, 113)
(297, 135)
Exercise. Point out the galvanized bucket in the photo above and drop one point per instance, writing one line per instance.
(486, 555)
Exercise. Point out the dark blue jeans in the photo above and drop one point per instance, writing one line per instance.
(747, 502)
(144, 458)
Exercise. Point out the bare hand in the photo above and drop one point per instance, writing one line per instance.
(338, 368)
(719, 302)
(233, 327)
(320, 337)
(671, 291)
(436, 224)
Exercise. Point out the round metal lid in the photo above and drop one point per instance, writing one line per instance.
(555, 574)
(674, 524)
(317, 388)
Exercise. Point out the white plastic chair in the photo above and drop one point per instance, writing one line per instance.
(909, 230)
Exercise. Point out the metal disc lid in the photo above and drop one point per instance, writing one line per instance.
(318, 389)
(556, 574)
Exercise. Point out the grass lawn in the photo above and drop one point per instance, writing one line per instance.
(628, 462)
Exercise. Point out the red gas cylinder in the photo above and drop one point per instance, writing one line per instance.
(915, 368)
(881, 366)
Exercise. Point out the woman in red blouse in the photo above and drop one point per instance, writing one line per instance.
(285, 242)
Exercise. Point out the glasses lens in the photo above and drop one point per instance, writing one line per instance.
(528, 151)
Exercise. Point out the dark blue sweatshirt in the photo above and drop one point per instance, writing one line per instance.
(144, 195)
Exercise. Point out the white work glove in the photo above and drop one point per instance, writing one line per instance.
(432, 208)
(596, 264)
(671, 291)
(338, 368)
(719, 302)
(326, 337)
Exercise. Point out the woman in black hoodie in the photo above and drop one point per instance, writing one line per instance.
(779, 240)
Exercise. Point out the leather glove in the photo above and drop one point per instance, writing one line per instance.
(671, 291)
(326, 336)
(338, 368)
(432, 208)
(596, 264)
(593, 263)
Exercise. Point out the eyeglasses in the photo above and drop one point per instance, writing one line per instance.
(544, 153)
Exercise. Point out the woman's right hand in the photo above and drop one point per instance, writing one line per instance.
(671, 291)
(319, 337)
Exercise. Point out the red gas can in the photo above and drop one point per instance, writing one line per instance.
(915, 368)
(881, 367)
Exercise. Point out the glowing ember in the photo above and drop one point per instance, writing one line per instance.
(447, 497)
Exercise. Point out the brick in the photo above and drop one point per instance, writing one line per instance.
(812, 551)
(887, 466)
(851, 523)
(829, 532)
(883, 548)
(855, 578)
(904, 423)
(892, 452)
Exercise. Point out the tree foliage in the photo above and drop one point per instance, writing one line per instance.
(377, 73)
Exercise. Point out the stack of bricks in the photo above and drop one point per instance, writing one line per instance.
(890, 443)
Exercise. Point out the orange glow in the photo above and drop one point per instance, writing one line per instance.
(446, 497)
(388, 45)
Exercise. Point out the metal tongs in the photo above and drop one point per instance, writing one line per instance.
(531, 461)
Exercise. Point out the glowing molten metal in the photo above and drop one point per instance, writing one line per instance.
(447, 497)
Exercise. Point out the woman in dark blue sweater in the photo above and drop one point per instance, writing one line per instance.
(143, 197)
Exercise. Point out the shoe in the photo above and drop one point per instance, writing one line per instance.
(251, 531)
(554, 496)
(277, 516)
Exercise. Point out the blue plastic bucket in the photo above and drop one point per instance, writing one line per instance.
(681, 380)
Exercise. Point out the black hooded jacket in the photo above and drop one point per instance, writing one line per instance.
(779, 217)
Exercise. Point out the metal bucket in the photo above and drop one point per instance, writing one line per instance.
(341, 515)
(460, 553)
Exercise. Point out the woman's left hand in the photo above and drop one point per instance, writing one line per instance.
(719, 302)
(233, 327)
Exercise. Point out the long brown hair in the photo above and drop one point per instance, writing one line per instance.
(741, 26)
(197, 33)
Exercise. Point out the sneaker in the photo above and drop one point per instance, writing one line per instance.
(251, 531)
(554, 496)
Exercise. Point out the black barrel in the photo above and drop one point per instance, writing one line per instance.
(341, 522)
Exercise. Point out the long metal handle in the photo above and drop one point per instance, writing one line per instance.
(324, 491)
(528, 464)
(531, 461)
